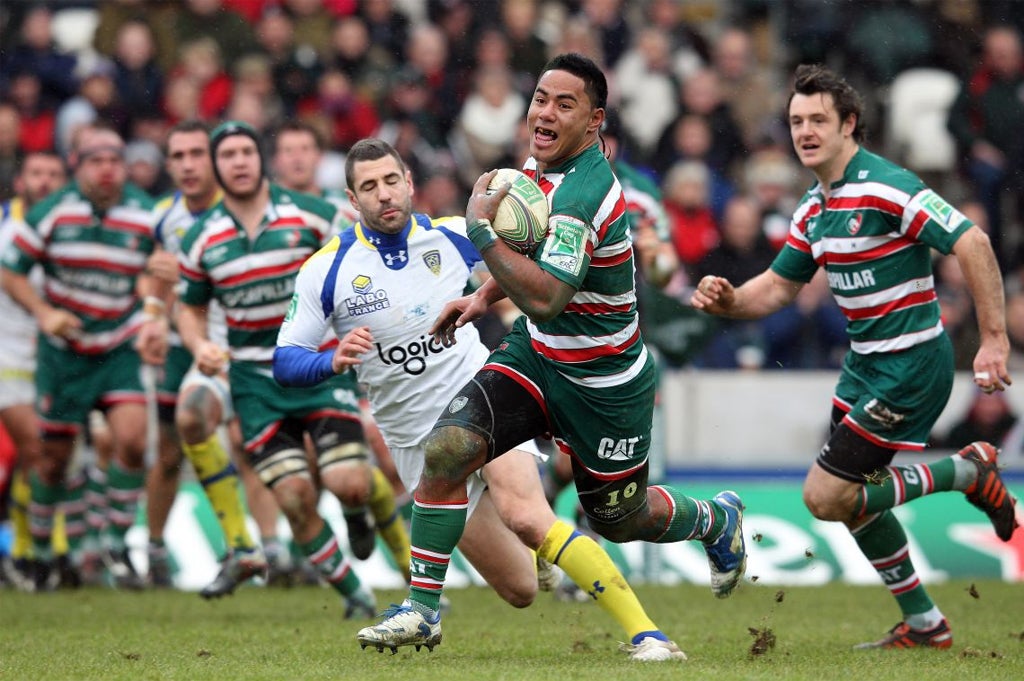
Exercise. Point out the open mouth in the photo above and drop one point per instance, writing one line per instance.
(545, 135)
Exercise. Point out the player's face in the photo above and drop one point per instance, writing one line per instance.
(100, 169)
(819, 137)
(188, 163)
(40, 176)
(561, 120)
(296, 160)
(238, 161)
(382, 195)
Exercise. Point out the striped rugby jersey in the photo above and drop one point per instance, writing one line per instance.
(253, 279)
(596, 339)
(91, 262)
(874, 237)
(20, 329)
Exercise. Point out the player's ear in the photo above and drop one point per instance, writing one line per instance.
(352, 199)
(408, 179)
(596, 120)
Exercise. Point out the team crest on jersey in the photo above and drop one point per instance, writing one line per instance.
(432, 259)
(853, 224)
(293, 238)
(362, 284)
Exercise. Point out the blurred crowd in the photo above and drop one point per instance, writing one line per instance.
(698, 92)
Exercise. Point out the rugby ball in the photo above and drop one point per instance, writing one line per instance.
(522, 218)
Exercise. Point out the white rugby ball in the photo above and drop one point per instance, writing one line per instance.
(522, 218)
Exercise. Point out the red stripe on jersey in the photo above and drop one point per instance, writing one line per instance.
(258, 325)
(221, 236)
(126, 226)
(875, 253)
(583, 354)
(617, 212)
(261, 273)
(920, 298)
(597, 308)
(290, 221)
(93, 264)
(95, 312)
(525, 383)
(263, 437)
(28, 248)
(917, 224)
(71, 221)
(799, 245)
(611, 260)
(330, 414)
(874, 439)
(867, 202)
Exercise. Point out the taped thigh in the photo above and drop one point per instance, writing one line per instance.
(282, 456)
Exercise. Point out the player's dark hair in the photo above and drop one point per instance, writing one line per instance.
(295, 126)
(594, 82)
(368, 149)
(812, 79)
(22, 159)
(187, 125)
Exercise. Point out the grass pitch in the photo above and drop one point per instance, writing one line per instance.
(760, 632)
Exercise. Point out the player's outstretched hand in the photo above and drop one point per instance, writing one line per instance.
(714, 295)
(456, 313)
(356, 342)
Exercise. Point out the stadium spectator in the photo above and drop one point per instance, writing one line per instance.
(343, 112)
(750, 92)
(488, 122)
(253, 78)
(989, 418)
(647, 89)
(200, 62)
(692, 223)
(609, 22)
(770, 178)
(565, 116)
(10, 149)
(38, 120)
(368, 66)
(701, 95)
(692, 140)
(528, 51)
(445, 80)
(159, 15)
(312, 22)
(96, 101)
(388, 27)
(35, 52)
(209, 19)
(295, 67)
(984, 120)
(883, 282)
(90, 327)
(144, 163)
(137, 76)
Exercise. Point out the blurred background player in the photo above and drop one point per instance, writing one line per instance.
(245, 253)
(39, 174)
(92, 239)
(192, 405)
(296, 152)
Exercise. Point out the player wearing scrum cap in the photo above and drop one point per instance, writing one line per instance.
(244, 253)
(92, 239)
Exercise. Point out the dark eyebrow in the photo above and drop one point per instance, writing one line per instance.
(567, 95)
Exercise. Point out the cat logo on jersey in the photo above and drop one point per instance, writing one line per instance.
(432, 259)
(853, 224)
(362, 284)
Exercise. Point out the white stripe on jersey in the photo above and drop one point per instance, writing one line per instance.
(902, 290)
(584, 342)
(902, 342)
